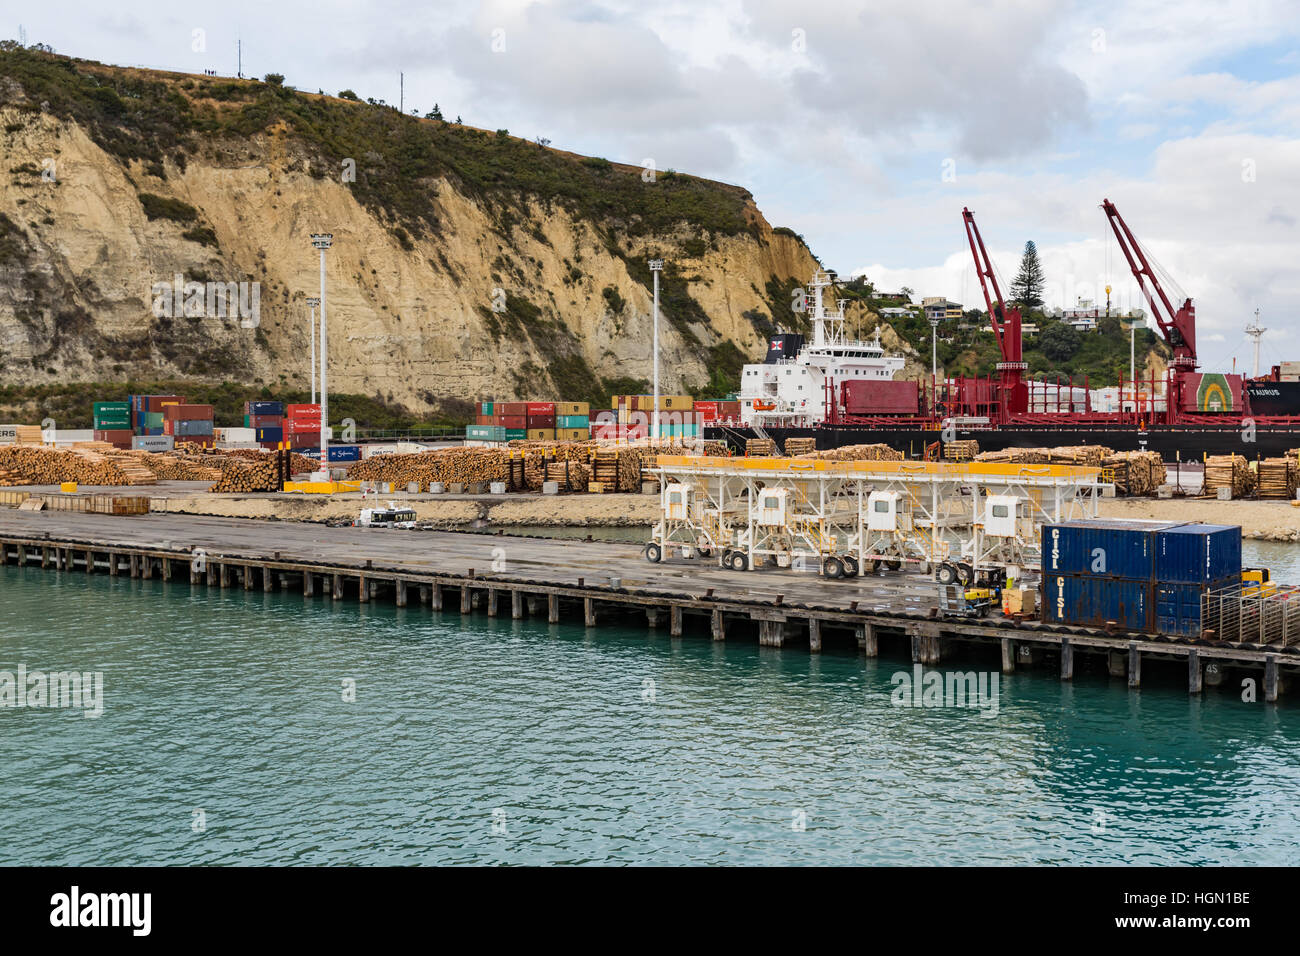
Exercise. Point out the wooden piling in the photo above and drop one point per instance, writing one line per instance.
(814, 635)
(1008, 656)
(491, 602)
(589, 612)
(1194, 675)
(718, 625)
(675, 621)
(1067, 659)
(1134, 665)
(465, 605)
(435, 596)
(552, 609)
(336, 587)
(1270, 678)
(399, 592)
(516, 605)
(868, 640)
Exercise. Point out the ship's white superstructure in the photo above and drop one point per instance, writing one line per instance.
(792, 390)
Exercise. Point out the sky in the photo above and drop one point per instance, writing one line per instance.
(864, 126)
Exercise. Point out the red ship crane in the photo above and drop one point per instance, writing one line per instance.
(1178, 327)
(1005, 322)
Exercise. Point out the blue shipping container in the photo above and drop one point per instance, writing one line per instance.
(345, 453)
(1178, 606)
(1093, 601)
(266, 408)
(270, 434)
(1198, 554)
(1106, 548)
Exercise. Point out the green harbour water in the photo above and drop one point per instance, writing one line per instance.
(477, 740)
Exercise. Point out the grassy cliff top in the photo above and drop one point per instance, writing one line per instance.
(152, 116)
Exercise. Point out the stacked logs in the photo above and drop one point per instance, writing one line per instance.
(1016, 456)
(570, 475)
(39, 465)
(1277, 478)
(875, 452)
(963, 450)
(794, 447)
(446, 465)
(1228, 471)
(1136, 472)
(242, 475)
(1084, 456)
(759, 448)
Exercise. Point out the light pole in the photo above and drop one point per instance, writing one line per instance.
(934, 350)
(656, 266)
(322, 241)
(311, 330)
(1255, 332)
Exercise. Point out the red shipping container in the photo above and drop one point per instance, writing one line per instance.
(540, 408)
(708, 411)
(302, 428)
(541, 421)
(265, 421)
(188, 413)
(513, 421)
(485, 420)
(117, 437)
(511, 409)
(154, 403)
(880, 398)
(302, 411)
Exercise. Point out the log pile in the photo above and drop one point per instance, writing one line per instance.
(1016, 456)
(1277, 478)
(794, 447)
(1227, 471)
(1136, 472)
(571, 475)
(241, 475)
(447, 465)
(963, 450)
(875, 452)
(40, 465)
(1083, 456)
(759, 448)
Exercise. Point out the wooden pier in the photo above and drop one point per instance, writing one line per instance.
(595, 582)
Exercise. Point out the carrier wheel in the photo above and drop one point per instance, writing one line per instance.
(893, 564)
(653, 553)
(965, 574)
(850, 565)
(738, 561)
(870, 565)
(833, 568)
(725, 560)
(704, 552)
(946, 574)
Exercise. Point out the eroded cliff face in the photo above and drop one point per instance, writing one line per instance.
(538, 309)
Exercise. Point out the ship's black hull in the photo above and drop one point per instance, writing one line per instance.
(1274, 398)
(1187, 443)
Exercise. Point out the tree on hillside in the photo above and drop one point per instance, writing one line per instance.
(1027, 289)
(1059, 341)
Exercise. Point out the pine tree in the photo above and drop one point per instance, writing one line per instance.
(1027, 289)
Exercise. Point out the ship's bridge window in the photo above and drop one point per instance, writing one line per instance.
(1000, 511)
(882, 506)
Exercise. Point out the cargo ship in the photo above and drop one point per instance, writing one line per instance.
(841, 392)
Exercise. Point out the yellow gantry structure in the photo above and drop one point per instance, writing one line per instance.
(852, 517)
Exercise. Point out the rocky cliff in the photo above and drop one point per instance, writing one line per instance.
(465, 264)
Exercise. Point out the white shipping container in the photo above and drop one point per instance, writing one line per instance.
(235, 434)
(368, 450)
(153, 443)
(8, 434)
(227, 445)
(1289, 368)
(66, 436)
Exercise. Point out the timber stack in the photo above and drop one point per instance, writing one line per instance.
(1277, 478)
(1228, 471)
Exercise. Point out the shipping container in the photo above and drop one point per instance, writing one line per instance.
(264, 408)
(516, 434)
(1109, 548)
(1178, 606)
(111, 407)
(1198, 554)
(189, 413)
(118, 437)
(485, 433)
(572, 421)
(541, 421)
(572, 434)
(1091, 601)
(485, 408)
(540, 408)
(302, 411)
(235, 434)
(511, 408)
(192, 429)
(513, 421)
(344, 453)
(263, 421)
(153, 443)
(572, 408)
(155, 403)
(270, 435)
(541, 434)
(484, 420)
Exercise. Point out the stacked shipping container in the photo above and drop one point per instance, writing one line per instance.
(1140, 575)
(189, 423)
(541, 421)
(112, 421)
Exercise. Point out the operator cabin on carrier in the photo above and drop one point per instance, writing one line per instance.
(789, 387)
